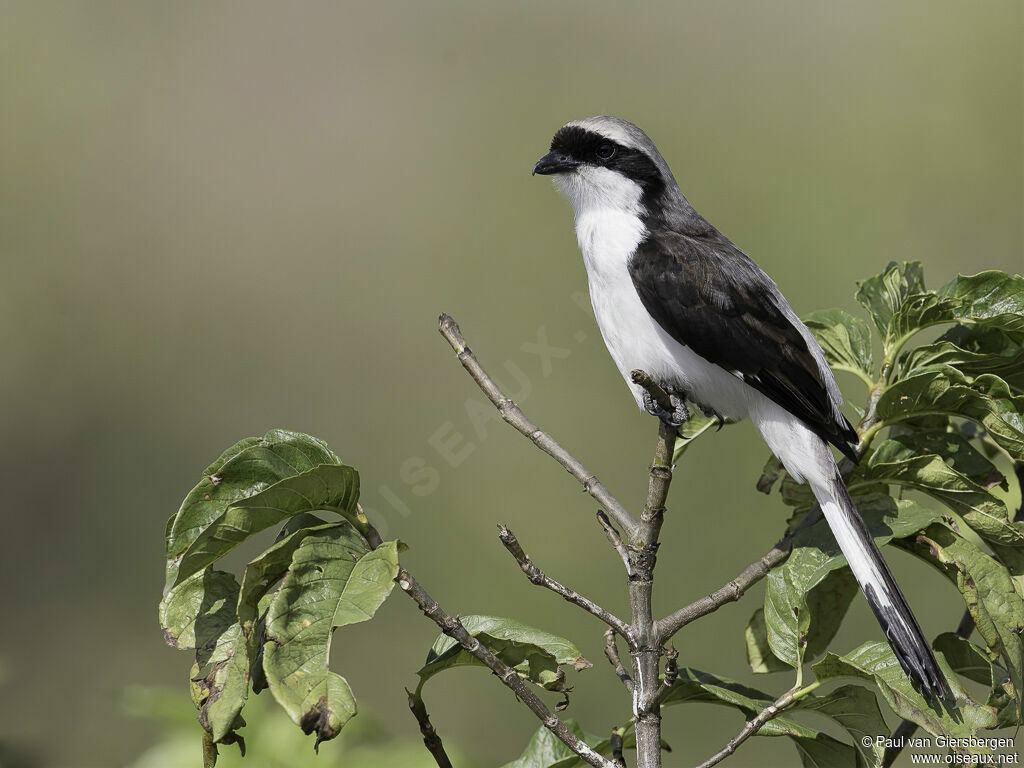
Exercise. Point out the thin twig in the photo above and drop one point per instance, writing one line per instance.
(430, 738)
(611, 652)
(514, 415)
(451, 626)
(752, 727)
(538, 577)
(733, 590)
(614, 539)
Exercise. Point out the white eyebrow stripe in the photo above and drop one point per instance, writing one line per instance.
(608, 129)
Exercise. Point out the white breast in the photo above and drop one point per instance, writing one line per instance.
(609, 228)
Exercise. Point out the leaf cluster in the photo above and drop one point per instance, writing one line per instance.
(941, 436)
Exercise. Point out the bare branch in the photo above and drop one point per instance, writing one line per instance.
(538, 577)
(614, 539)
(732, 591)
(430, 738)
(451, 626)
(514, 415)
(752, 727)
(611, 651)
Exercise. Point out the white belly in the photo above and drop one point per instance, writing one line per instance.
(633, 337)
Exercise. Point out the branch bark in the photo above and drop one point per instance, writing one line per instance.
(646, 654)
(514, 415)
(538, 577)
(430, 738)
(611, 652)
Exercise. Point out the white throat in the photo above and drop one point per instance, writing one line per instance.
(608, 212)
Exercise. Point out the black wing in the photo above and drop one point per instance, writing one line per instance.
(710, 296)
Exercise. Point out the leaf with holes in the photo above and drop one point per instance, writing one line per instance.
(906, 460)
(944, 390)
(255, 484)
(334, 579)
(988, 591)
(974, 663)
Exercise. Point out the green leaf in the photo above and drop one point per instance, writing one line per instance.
(254, 484)
(759, 653)
(693, 428)
(905, 460)
(805, 599)
(855, 708)
(845, 339)
(261, 574)
(883, 294)
(694, 686)
(974, 663)
(944, 390)
(536, 655)
(992, 298)
(201, 615)
(334, 579)
(546, 751)
(1007, 362)
(988, 591)
(876, 663)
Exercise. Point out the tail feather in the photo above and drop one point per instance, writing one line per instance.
(883, 594)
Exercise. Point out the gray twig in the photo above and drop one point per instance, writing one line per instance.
(514, 415)
(733, 590)
(538, 577)
(752, 727)
(614, 539)
(611, 652)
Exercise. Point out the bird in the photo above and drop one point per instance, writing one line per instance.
(675, 298)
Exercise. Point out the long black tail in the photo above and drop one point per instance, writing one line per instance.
(883, 594)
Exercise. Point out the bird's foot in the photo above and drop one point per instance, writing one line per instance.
(679, 414)
(711, 413)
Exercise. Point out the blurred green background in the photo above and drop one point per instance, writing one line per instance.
(221, 218)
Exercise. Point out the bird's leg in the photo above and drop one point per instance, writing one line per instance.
(679, 414)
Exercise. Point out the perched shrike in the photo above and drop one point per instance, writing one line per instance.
(675, 298)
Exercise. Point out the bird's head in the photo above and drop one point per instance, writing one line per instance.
(606, 162)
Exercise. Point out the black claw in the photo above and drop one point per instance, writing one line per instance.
(678, 416)
(712, 413)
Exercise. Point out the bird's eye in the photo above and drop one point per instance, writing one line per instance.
(605, 151)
